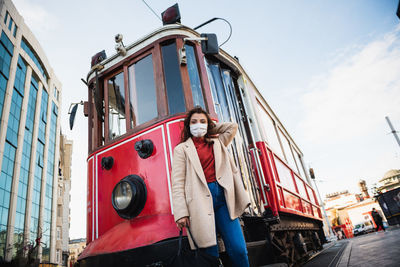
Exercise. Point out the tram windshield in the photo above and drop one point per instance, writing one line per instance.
(152, 85)
(142, 89)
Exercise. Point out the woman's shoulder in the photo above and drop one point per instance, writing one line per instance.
(180, 146)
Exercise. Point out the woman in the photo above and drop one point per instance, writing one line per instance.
(207, 193)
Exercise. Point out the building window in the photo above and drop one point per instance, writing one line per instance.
(58, 232)
(59, 210)
(58, 258)
(6, 17)
(56, 93)
(11, 24)
(15, 30)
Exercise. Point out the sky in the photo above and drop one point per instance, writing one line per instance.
(328, 69)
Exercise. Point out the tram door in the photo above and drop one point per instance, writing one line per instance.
(228, 108)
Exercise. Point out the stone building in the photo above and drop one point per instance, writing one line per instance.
(76, 246)
(63, 201)
(390, 180)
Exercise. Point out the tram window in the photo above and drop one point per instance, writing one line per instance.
(116, 106)
(269, 129)
(298, 162)
(143, 99)
(173, 80)
(287, 150)
(218, 92)
(195, 84)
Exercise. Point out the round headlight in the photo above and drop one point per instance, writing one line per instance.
(129, 196)
(122, 195)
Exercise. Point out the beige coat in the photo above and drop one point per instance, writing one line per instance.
(190, 194)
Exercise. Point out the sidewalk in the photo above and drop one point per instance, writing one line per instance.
(374, 249)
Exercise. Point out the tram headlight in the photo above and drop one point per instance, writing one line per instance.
(129, 196)
(122, 195)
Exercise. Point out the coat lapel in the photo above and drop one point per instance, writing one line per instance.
(194, 158)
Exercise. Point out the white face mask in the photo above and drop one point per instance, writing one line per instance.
(198, 129)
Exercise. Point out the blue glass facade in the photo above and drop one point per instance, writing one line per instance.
(7, 170)
(25, 160)
(37, 184)
(25, 46)
(24, 145)
(6, 52)
(49, 182)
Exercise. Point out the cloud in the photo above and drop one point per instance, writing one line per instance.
(38, 19)
(353, 98)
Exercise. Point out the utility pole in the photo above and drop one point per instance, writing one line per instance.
(322, 204)
(394, 132)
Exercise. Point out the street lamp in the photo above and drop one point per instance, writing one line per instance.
(312, 175)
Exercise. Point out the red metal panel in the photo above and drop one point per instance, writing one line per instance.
(317, 212)
(287, 190)
(311, 194)
(307, 208)
(174, 128)
(280, 196)
(266, 164)
(126, 162)
(292, 201)
(89, 202)
(133, 233)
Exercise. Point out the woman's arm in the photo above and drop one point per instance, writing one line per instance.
(178, 176)
(226, 131)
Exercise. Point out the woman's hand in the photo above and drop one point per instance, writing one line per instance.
(183, 222)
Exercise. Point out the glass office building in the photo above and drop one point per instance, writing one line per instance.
(29, 143)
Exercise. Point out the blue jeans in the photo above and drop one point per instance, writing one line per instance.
(230, 231)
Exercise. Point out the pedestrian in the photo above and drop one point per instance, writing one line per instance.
(377, 219)
(207, 191)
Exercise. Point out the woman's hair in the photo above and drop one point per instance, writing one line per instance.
(185, 135)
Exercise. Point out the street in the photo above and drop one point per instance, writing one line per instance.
(373, 249)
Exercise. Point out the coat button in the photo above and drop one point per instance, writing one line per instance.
(207, 195)
(209, 214)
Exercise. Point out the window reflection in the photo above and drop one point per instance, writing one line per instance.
(173, 81)
(298, 162)
(116, 106)
(195, 84)
(287, 150)
(269, 129)
(218, 92)
(143, 100)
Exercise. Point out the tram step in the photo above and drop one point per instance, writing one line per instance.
(256, 243)
(275, 265)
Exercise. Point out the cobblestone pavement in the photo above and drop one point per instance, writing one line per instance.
(374, 249)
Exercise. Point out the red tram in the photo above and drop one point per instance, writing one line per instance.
(136, 104)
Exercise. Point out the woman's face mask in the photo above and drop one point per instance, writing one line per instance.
(198, 129)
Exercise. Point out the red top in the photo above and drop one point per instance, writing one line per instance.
(206, 156)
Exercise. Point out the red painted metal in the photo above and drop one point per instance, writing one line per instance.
(89, 201)
(132, 234)
(288, 192)
(104, 225)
